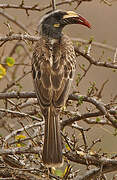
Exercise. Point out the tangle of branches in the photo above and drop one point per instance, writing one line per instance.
(21, 121)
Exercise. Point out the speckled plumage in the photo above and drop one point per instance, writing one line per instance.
(53, 67)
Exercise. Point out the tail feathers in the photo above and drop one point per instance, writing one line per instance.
(52, 149)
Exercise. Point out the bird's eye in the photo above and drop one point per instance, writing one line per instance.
(56, 25)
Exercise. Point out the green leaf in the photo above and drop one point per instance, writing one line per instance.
(109, 59)
(80, 100)
(78, 79)
(98, 119)
(86, 49)
(115, 132)
(67, 147)
(59, 172)
(19, 86)
(91, 39)
(78, 44)
(10, 61)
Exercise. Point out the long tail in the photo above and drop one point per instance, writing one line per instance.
(52, 149)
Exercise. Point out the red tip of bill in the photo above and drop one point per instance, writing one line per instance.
(84, 22)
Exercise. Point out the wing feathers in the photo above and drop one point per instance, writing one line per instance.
(56, 80)
(52, 77)
(43, 95)
(52, 69)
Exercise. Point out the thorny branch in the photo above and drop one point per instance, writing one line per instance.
(108, 164)
(36, 8)
(14, 21)
(78, 157)
(78, 52)
(93, 61)
(34, 38)
(99, 105)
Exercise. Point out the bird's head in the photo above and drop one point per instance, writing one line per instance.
(51, 24)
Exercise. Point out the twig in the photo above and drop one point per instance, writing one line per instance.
(19, 37)
(53, 5)
(93, 43)
(25, 130)
(99, 105)
(23, 45)
(10, 18)
(95, 159)
(35, 8)
(14, 133)
(19, 114)
(85, 72)
(23, 150)
(17, 95)
(93, 143)
(107, 2)
(15, 82)
(99, 95)
(67, 141)
(115, 56)
(83, 134)
(33, 38)
(73, 97)
(93, 173)
(93, 61)
(94, 121)
(22, 140)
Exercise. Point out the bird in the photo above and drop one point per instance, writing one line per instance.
(53, 68)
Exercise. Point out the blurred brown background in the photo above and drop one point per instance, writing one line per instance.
(104, 29)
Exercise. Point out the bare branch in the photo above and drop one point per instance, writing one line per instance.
(91, 159)
(54, 5)
(19, 37)
(99, 105)
(14, 133)
(10, 18)
(115, 56)
(94, 43)
(17, 95)
(14, 82)
(19, 114)
(22, 150)
(93, 61)
(33, 38)
(35, 8)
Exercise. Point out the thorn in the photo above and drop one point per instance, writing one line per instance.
(115, 56)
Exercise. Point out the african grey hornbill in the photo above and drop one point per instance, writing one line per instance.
(53, 67)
